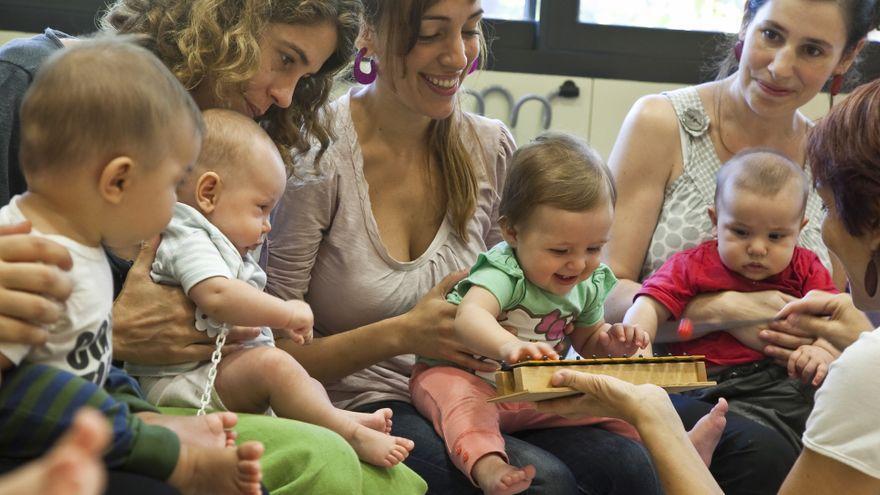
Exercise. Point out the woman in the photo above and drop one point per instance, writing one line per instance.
(842, 437)
(410, 194)
(665, 162)
(250, 57)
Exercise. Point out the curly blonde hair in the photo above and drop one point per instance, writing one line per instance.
(218, 40)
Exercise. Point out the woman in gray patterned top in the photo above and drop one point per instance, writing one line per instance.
(671, 146)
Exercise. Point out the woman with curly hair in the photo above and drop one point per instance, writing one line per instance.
(273, 61)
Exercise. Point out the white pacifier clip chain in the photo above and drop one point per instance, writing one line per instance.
(212, 373)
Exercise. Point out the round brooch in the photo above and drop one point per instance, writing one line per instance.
(695, 122)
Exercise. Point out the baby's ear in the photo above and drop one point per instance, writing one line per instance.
(115, 179)
(208, 187)
(508, 231)
(713, 215)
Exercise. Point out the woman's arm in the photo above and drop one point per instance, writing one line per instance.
(648, 408)
(731, 305)
(817, 474)
(642, 161)
(426, 330)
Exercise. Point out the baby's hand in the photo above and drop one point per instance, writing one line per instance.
(621, 339)
(514, 352)
(299, 327)
(810, 363)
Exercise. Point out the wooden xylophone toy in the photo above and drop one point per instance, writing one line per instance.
(529, 381)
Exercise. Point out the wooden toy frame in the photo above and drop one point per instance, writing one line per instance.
(529, 381)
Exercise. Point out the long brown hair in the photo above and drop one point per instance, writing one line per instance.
(397, 22)
(218, 40)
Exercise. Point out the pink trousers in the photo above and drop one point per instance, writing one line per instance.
(455, 402)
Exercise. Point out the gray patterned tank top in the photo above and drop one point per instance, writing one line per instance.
(683, 221)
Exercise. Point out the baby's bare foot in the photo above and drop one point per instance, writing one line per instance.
(379, 420)
(379, 449)
(73, 466)
(497, 477)
(210, 470)
(210, 430)
(707, 432)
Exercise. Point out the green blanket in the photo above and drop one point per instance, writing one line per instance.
(302, 458)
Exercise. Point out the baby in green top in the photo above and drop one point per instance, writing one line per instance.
(534, 295)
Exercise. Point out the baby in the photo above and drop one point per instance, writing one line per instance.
(107, 132)
(760, 200)
(532, 296)
(206, 249)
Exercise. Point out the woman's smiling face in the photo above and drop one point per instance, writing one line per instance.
(428, 78)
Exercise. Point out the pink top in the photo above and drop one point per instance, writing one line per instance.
(325, 248)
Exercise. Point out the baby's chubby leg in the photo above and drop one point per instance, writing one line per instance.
(254, 379)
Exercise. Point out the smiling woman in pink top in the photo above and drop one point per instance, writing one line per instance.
(408, 197)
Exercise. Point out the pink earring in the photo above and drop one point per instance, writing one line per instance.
(738, 50)
(836, 85)
(359, 75)
(474, 65)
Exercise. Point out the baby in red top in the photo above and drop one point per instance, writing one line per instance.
(760, 199)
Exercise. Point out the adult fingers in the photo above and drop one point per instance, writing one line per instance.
(16, 228)
(30, 248)
(30, 307)
(782, 339)
(16, 331)
(814, 303)
(37, 278)
(202, 352)
(813, 325)
(448, 282)
(785, 326)
(780, 354)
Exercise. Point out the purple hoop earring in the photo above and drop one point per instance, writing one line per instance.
(738, 50)
(359, 75)
(474, 66)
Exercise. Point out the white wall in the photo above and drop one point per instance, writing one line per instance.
(596, 114)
